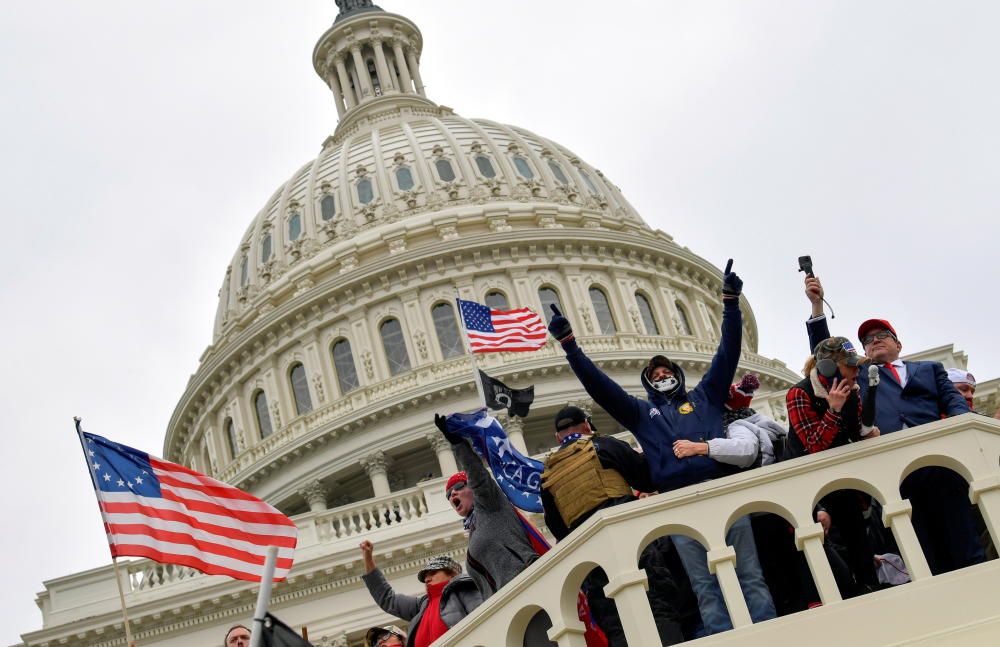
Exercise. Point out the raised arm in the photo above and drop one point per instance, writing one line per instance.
(607, 393)
(816, 326)
(720, 374)
(395, 604)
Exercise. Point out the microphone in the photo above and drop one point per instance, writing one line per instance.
(868, 403)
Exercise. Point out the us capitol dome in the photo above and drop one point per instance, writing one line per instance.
(336, 339)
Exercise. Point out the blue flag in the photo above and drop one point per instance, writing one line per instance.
(518, 476)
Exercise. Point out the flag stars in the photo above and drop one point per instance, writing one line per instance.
(97, 466)
(138, 479)
(107, 477)
(121, 483)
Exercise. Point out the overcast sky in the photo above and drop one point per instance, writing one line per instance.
(139, 139)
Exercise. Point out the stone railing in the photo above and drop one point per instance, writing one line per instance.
(614, 538)
(145, 575)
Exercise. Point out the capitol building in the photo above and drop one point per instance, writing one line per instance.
(336, 340)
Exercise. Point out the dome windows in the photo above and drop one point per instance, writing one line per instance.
(523, 168)
(646, 312)
(294, 226)
(343, 364)
(485, 167)
(444, 170)
(496, 300)
(394, 346)
(588, 181)
(602, 308)
(300, 389)
(328, 207)
(404, 179)
(683, 323)
(558, 172)
(234, 445)
(549, 297)
(263, 416)
(265, 248)
(365, 193)
(446, 327)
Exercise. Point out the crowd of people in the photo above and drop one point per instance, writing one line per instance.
(691, 435)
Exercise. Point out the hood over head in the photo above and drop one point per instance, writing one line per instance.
(662, 360)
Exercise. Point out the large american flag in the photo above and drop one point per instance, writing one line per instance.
(174, 515)
(492, 331)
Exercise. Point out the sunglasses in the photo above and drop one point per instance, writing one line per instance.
(882, 334)
(458, 487)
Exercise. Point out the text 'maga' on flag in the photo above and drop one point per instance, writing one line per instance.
(171, 514)
(494, 331)
(500, 396)
(518, 476)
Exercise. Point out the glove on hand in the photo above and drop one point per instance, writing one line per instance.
(441, 422)
(732, 284)
(559, 326)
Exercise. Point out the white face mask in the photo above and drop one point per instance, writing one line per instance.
(667, 384)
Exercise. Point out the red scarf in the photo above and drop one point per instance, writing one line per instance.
(431, 626)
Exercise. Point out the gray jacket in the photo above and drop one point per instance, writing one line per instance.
(745, 440)
(498, 546)
(459, 598)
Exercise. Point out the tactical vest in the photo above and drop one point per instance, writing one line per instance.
(576, 480)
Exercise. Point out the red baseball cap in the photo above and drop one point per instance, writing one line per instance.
(874, 324)
(457, 477)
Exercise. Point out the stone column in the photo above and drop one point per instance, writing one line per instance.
(314, 493)
(446, 459)
(376, 466)
(722, 562)
(628, 590)
(404, 71)
(361, 70)
(809, 539)
(345, 82)
(384, 78)
(896, 516)
(411, 61)
(514, 427)
(338, 94)
(986, 494)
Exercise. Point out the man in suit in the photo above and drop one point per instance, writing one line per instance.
(911, 394)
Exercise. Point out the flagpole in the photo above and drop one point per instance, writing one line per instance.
(468, 349)
(114, 560)
(263, 597)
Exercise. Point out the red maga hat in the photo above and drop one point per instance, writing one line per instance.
(457, 477)
(874, 324)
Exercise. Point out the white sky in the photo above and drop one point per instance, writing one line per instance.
(140, 138)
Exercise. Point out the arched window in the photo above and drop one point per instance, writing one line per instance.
(646, 312)
(234, 445)
(300, 389)
(485, 166)
(548, 297)
(265, 248)
(343, 363)
(295, 226)
(589, 182)
(365, 194)
(244, 271)
(496, 300)
(394, 346)
(404, 178)
(605, 320)
(558, 172)
(328, 207)
(682, 320)
(445, 172)
(523, 168)
(446, 327)
(263, 416)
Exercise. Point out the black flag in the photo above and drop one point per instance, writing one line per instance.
(277, 634)
(500, 396)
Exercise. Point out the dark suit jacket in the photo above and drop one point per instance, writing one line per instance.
(927, 395)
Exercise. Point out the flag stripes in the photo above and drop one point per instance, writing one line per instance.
(492, 331)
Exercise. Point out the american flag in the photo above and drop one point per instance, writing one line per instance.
(493, 331)
(174, 515)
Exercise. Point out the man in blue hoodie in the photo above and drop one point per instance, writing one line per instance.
(671, 413)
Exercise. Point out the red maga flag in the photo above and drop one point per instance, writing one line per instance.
(493, 331)
(174, 515)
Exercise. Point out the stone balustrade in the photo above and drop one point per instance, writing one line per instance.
(614, 538)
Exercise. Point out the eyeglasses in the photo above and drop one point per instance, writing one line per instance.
(458, 487)
(882, 334)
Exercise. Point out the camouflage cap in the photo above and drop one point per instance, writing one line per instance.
(377, 633)
(440, 563)
(840, 350)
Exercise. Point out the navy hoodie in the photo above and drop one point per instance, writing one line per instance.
(659, 420)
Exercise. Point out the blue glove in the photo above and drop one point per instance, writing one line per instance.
(732, 284)
(559, 326)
